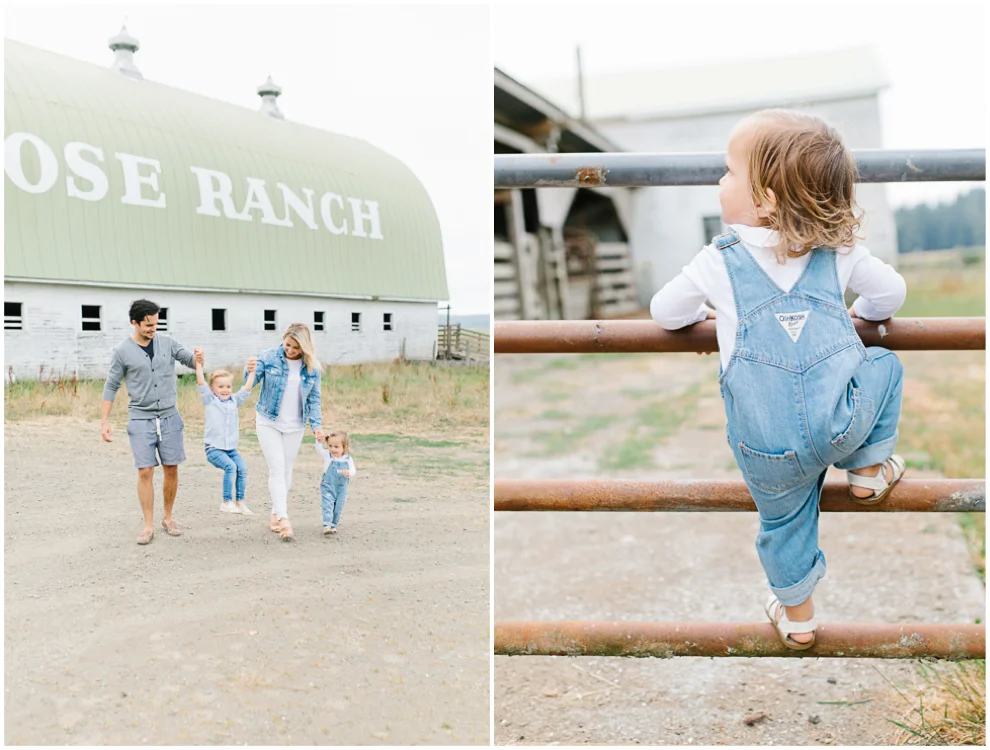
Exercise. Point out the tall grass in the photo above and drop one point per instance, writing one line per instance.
(951, 706)
(947, 422)
(410, 398)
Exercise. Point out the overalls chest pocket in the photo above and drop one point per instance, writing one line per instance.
(771, 472)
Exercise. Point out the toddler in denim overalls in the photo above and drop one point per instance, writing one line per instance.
(338, 471)
(801, 391)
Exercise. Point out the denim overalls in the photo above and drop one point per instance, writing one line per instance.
(333, 490)
(801, 393)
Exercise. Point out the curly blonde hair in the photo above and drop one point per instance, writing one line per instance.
(812, 175)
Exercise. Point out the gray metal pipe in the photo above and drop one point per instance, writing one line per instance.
(651, 170)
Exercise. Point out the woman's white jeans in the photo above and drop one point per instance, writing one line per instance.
(280, 449)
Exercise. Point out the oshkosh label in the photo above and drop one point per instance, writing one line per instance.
(793, 323)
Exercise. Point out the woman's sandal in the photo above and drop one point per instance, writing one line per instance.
(880, 486)
(785, 627)
(273, 525)
(285, 531)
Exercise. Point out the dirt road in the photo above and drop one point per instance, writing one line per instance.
(227, 635)
(661, 417)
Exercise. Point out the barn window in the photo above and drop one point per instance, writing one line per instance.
(317, 321)
(269, 320)
(387, 321)
(163, 319)
(712, 226)
(13, 320)
(91, 317)
(219, 319)
(356, 322)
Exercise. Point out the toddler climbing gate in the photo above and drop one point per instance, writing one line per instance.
(667, 639)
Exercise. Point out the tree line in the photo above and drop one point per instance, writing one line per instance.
(962, 223)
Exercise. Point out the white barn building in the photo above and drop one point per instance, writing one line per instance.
(236, 222)
(693, 109)
(559, 252)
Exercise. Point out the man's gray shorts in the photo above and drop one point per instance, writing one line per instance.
(147, 447)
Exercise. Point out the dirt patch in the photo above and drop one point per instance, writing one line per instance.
(227, 635)
(690, 567)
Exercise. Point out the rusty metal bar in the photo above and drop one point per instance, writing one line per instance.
(686, 495)
(667, 639)
(651, 170)
(573, 336)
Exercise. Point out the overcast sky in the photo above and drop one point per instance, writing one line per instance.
(935, 55)
(414, 81)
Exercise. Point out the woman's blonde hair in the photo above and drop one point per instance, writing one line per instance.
(220, 374)
(804, 161)
(300, 332)
(340, 435)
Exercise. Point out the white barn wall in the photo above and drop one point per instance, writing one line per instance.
(52, 334)
(667, 230)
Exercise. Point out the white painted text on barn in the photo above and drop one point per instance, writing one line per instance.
(87, 181)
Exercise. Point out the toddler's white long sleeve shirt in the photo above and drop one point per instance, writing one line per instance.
(681, 302)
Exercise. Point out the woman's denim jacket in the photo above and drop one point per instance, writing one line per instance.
(272, 373)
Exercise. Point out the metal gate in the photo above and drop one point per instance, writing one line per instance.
(666, 639)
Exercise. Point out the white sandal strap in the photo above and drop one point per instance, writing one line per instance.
(789, 627)
(878, 483)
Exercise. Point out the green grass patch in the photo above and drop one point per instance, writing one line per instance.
(554, 365)
(945, 292)
(654, 423)
(567, 439)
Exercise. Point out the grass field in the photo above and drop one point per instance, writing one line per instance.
(945, 421)
(399, 399)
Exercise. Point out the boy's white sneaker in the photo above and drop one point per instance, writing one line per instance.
(245, 510)
(229, 508)
(327, 531)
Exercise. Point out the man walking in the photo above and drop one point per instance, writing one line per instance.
(146, 361)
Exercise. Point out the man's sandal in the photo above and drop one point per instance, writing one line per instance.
(785, 627)
(171, 527)
(878, 484)
(285, 531)
(146, 536)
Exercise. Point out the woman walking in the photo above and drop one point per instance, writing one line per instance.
(289, 378)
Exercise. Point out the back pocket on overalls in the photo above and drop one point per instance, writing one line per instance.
(859, 423)
(771, 472)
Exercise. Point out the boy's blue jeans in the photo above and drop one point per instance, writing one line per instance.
(234, 469)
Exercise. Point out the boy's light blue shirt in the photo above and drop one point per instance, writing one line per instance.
(222, 427)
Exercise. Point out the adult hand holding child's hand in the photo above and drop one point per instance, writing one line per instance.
(199, 355)
(252, 364)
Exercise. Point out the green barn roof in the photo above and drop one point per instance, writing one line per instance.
(114, 180)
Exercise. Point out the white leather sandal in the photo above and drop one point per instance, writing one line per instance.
(785, 627)
(880, 486)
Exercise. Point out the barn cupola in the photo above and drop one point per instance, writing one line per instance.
(269, 91)
(124, 46)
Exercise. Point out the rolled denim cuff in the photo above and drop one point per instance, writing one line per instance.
(869, 455)
(791, 596)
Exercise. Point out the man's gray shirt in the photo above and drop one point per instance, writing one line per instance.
(150, 381)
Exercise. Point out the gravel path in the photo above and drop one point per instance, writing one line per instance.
(227, 635)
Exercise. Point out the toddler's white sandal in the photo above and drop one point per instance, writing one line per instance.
(785, 627)
(880, 486)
